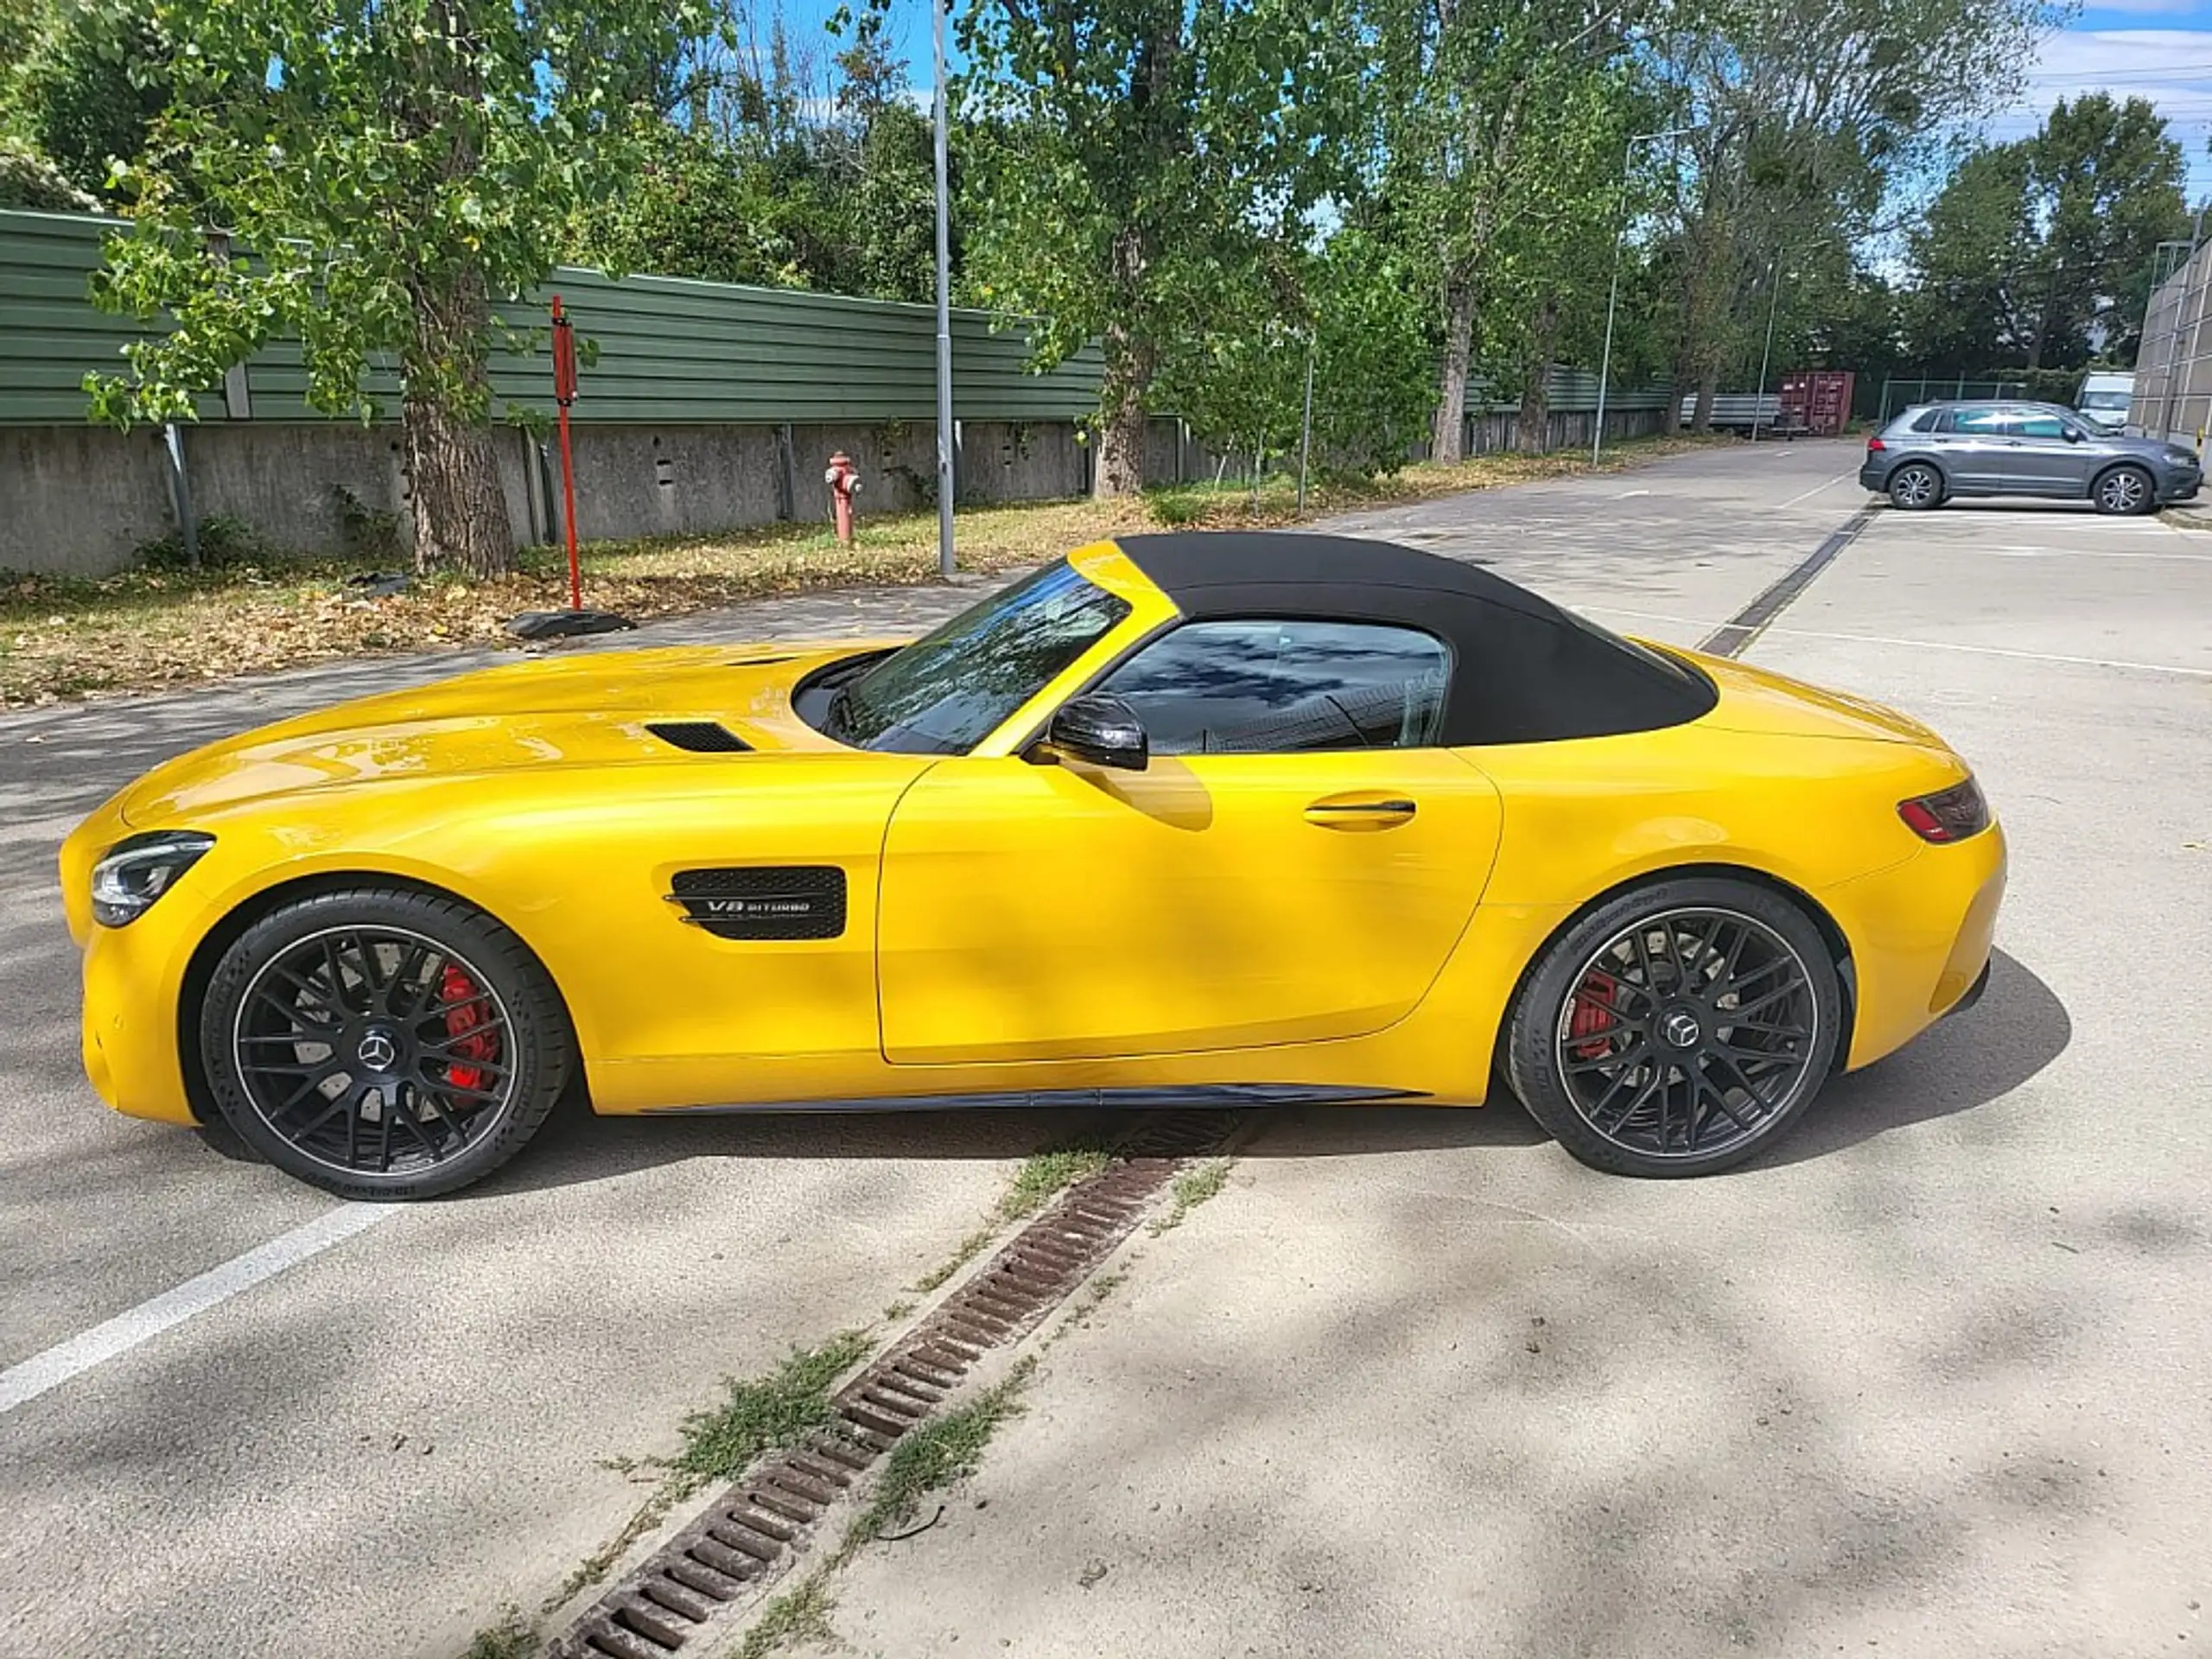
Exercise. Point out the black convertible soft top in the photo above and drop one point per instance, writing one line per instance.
(1524, 669)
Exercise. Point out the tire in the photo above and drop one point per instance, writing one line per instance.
(1621, 1046)
(441, 1053)
(1915, 487)
(2123, 491)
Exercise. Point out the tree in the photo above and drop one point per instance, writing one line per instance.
(91, 89)
(2038, 253)
(1803, 110)
(393, 165)
(1136, 158)
(1477, 99)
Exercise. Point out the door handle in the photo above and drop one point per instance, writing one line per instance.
(1359, 814)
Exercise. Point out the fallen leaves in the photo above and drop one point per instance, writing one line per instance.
(143, 630)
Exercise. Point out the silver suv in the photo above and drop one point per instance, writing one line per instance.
(1930, 453)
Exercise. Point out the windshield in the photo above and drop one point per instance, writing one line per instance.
(2104, 400)
(952, 689)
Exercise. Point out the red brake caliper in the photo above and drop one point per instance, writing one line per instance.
(1593, 1016)
(464, 1018)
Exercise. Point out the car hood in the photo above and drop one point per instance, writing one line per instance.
(1758, 700)
(591, 709)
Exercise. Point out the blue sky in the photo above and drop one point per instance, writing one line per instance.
(2158, 49)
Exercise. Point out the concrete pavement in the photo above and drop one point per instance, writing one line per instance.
(1930, 1379)
(254, 1480)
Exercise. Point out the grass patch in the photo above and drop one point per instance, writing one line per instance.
(253, 612)
(1041, 1178)
(800, 1614)
(513, 1638)
(776, 1410)
(931, 1457)
(1193, 1188)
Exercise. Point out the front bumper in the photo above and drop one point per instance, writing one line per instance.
(2178, 485)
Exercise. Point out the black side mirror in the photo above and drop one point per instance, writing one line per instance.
(1101, 729)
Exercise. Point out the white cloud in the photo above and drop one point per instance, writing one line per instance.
(2170, 68)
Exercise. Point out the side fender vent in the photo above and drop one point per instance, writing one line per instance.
(699, 736)
(787, 901)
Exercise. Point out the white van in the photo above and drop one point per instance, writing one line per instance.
(2104, 398)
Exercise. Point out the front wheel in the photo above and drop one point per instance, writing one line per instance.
(382, 1043)
(1915, 486)
(1677, 1029)
(2124, 490)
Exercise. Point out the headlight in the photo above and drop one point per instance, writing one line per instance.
(136, 872)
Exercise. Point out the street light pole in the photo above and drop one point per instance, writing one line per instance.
(1766, 357)
(945, 480)
(1612, 299)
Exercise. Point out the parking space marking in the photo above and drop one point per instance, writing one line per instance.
(1808, 495)
(23, 1383)
(1914, 644)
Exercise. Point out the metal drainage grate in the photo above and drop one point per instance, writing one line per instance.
(750, 1528)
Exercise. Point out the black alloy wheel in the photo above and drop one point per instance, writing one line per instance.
(1677, 1029)
(2124, 490)
(1915, 486)
(382, 1043)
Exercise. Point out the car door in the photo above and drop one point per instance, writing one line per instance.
(2044, 460)
(1976, 446)
(1294, 864)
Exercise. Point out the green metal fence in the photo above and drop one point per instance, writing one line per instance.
(670, 351)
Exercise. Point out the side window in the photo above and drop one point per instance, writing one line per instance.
(2037, 423)
(1934, 420)
(1262, 687)
(1981, 422)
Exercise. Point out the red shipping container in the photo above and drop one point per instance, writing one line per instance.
(1815, 401)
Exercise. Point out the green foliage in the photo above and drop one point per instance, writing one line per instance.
(775, 1410)
(224, 543)
(1242, 386)
(762, 185)
(2036, 249)
(930, 1457)
(90, 91)
(29, 179)
(392, 163)
(1137, 168)
(800, 1614)
(513, 1638)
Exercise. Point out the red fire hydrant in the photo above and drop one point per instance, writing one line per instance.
(844, 481)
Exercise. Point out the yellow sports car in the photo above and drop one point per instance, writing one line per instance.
(1178, 818)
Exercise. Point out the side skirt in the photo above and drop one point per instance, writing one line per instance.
(1219, 1094)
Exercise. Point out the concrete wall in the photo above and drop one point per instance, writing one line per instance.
(80, 500)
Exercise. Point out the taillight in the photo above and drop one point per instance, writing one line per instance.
(1952, 814)
(1875, 446)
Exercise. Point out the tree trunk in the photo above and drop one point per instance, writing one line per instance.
(1708, 388)
(1448, 440)
(1130, 361)
(460, 510)
(1532, 427)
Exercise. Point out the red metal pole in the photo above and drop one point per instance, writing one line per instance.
(569, 516)
(564, 393)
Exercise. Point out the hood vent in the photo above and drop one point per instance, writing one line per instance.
(699, 736)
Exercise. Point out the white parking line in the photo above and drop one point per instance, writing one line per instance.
(1912, 645)
(23, 1383)
(1808, 494)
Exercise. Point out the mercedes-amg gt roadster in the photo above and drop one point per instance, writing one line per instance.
(1183, 818)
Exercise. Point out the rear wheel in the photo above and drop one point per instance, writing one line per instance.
(382, 1043)
(1677, 1029)
(1915, 486)
(2124, 490)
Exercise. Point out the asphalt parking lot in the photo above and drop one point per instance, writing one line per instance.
(1930, 1376)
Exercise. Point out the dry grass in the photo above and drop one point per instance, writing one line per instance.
(147, 629)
